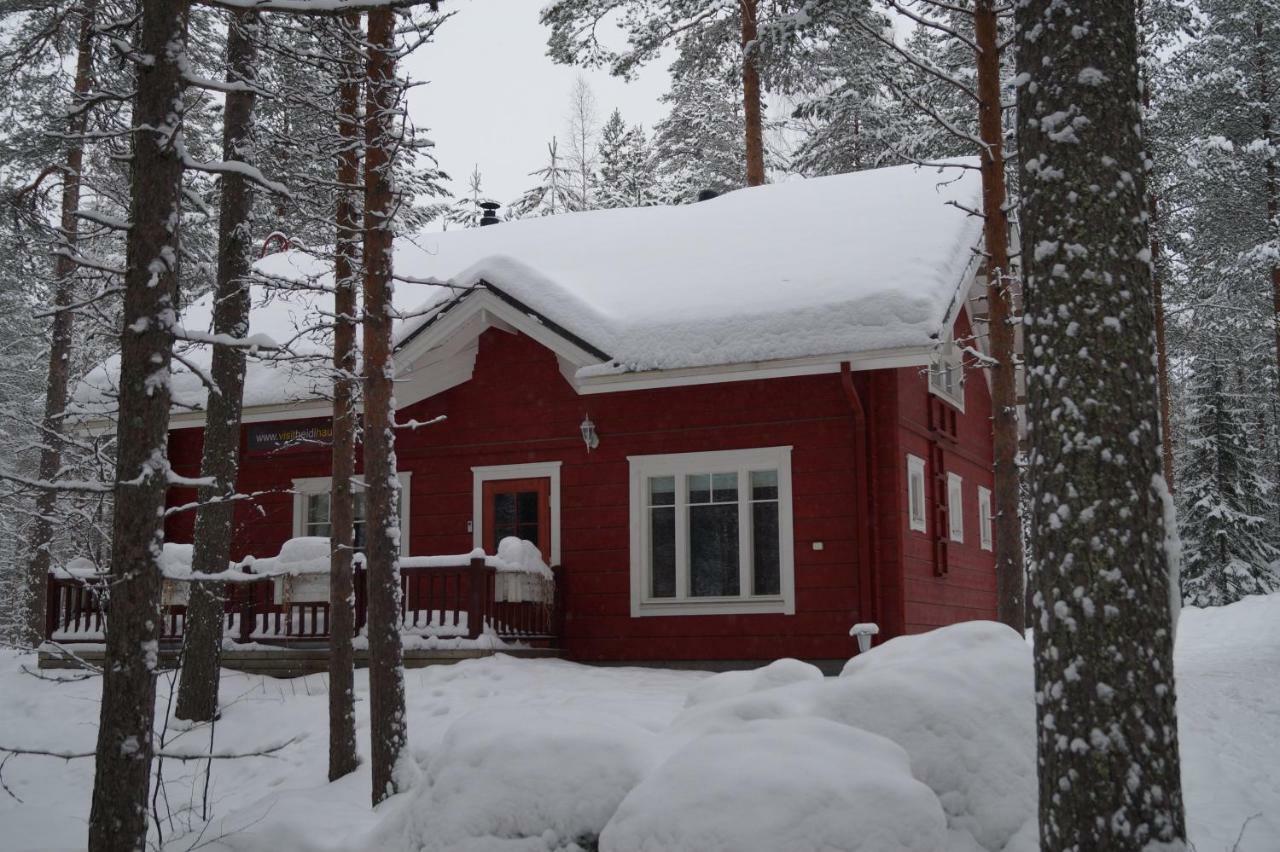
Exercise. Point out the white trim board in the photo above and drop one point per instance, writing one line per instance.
(534, 470)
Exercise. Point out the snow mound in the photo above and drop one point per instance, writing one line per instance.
(734, 684)
(516, 554)
(518, 779)
(958, 700)
(795, 785)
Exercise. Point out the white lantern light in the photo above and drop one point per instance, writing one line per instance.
(589, 436)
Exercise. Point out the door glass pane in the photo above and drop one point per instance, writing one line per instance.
(713, 550)
(527, 507)
(662, 491)
(766, 577)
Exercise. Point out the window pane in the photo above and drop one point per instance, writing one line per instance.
(317, 510)
(357, 505)
(766, 574)
(662, 491)
(764, 485)
(724, 487)
(713, 550)
(662, 552)
(700, 488)
(359, 539)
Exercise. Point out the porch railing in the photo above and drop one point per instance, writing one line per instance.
(464, 600)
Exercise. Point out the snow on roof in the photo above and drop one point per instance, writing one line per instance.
(827, 266)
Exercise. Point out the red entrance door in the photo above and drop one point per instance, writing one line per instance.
(520, 508)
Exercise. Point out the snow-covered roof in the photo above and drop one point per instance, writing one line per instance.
(838, 265)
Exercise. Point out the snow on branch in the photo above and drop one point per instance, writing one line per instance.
(317, 7)
(235, 167)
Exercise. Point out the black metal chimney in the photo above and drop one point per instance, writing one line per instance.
(490, 215)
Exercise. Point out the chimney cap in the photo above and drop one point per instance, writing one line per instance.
(490, 215)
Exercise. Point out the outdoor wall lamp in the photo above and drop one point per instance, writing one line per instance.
(589, 436)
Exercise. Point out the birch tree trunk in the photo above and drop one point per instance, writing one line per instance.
(220, 460)
(386, 674)
(1108, 743)
(342, 722)
(60, 337)
(118, 816)
(1010, 582)
(751, 99)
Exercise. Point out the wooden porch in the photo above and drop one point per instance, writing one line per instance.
(451, 608)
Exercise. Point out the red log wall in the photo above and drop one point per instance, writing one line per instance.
(518, 408)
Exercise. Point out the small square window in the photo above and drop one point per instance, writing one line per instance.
(955, 506)
(915, 494)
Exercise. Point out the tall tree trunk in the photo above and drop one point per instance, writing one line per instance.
(1108, 744)
(1010, 577)
(60, 338)
(386, 674)
(118, 817)
(342, 720)
(202, 643)
(751, 99)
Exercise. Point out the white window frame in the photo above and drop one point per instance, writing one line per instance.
(535, 470)
(947, 357)
(309, 486)
(984, 517)
(680, 465)
(955, 507)
(917, 516)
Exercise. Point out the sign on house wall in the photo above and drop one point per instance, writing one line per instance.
(268, 437)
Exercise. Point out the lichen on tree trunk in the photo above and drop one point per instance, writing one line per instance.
(118, 815)
(220, 458)
(1108, 748)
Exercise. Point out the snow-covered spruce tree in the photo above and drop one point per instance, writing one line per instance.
(118, 817)
(624, 177)
(1214, 119)
(554, 193)
(1226, 551)
(1109, 772)
(698, 145)
(846, 113)
(465, 211)
(387, 733)
(220, 455)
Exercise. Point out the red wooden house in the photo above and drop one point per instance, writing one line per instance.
(737, 427)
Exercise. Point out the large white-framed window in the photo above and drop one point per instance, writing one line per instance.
(984, 517)
(534, 470)
(946, 374)
(917, 517)
(711, 533)
(311, 508)
(955, 506)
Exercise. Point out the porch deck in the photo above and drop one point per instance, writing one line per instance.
(448, 612)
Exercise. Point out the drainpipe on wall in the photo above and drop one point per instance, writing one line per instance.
(868, 593)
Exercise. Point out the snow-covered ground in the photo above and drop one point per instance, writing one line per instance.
(924, 744)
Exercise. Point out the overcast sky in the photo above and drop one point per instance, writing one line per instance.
(493, 97)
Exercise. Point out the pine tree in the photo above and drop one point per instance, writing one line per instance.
(554, 192)
(1226, 551)
(697, 146)
(625, 174)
